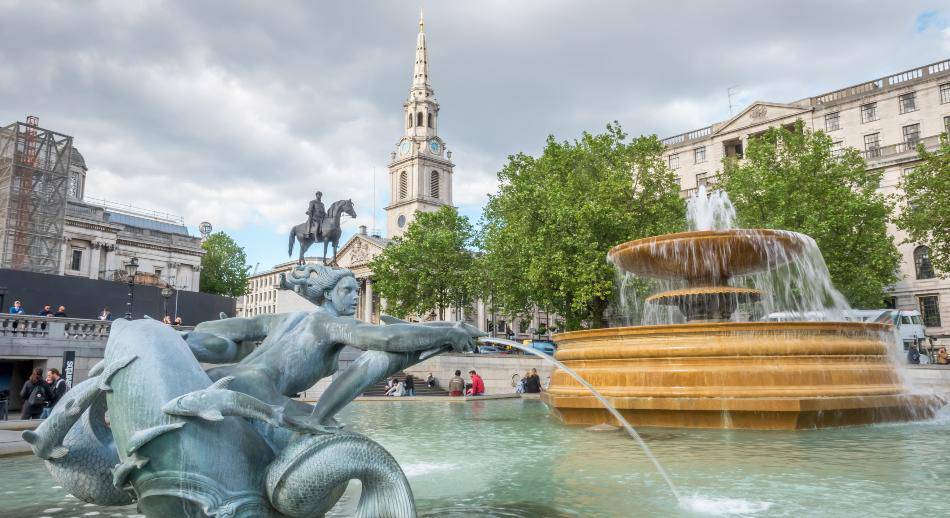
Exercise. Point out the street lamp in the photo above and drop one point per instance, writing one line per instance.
(130, 268)
(166, 293)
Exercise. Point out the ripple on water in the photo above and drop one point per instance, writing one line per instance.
(723, 506)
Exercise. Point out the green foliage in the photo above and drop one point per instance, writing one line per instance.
(429, 267)
(547, 231)
(791, 180)
(926, 205)
(224, 266)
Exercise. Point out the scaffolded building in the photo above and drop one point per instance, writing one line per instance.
(34, 173)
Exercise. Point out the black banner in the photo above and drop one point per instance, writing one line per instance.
(69, 366)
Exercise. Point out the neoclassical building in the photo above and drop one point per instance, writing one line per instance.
(884, 119)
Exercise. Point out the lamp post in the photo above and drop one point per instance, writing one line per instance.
(130, 269)
(166, 293)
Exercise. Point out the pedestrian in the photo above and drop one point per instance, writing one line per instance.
(16, 308)
(178, 321)
(61, 312)
(456, 384)
(105, 314)
(430, 380)
(57, 388)
(478, 386)
(532, 384)
(167, 320)
(35, 394)
(47, 312)
(410, 385)
(397, 390)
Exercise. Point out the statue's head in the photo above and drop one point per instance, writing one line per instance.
(335, 289)
(318, 194)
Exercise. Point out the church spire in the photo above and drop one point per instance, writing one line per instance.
(420, 73)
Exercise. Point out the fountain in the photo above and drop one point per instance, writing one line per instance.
(700, 362)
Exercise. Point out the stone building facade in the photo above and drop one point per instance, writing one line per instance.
(884, 119)
(101, 237)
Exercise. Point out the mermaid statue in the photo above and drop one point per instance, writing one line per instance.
(153, 427)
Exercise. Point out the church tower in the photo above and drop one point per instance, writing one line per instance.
(420, 172)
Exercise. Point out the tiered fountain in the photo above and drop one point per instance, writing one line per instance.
(704, 367)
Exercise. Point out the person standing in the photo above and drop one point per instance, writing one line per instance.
(456, 384)
(16, 308)
(61, 312)
(35, 394)
(410, 385)
(105, 315)
(532, 383)
(47, 311)
(57, 388)
(478, 386)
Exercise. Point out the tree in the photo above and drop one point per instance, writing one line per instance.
(224, 266)
(792, 180)
(548, 229)
(926, 204)
(430, 267)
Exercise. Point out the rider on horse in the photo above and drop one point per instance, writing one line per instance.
(317, 213)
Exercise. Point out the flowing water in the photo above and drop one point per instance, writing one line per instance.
(513, 458)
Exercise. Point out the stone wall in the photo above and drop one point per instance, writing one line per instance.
(496, 370)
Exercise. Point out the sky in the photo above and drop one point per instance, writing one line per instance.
(236, 112)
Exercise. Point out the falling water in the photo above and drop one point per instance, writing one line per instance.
(630, 430)
(793, 280)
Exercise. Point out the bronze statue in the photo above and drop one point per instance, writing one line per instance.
(321, 226)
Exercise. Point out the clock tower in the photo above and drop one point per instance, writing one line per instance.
(420, 172)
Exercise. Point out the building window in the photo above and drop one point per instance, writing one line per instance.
(403, 185)
(908, 102)
(946, 124)
(912, 135)
(837, 148)
(868, 112)
(703, 179)
(75, 263)
(434, 185)
(409, 124)
(925, 269)
(431, 120)
(872, 145)
(929, 310)
(832, 121)
(419, 119)
(674, 161)
(699, 155)
(158, 273)
(945, 93)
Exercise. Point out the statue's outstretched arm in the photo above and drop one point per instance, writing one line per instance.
(240, 329)
(400, 338)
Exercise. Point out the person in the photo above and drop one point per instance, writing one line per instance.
(47, 311)
(456, 384)
(942, 357)
(57, 388)
(410, 385)
(430, 380)
(16, 308)
(178, 321)
(317, 212)
(61, 312)
(105, 315)
(913, 355)
(35, 394)
(532, 383)
(167, 320)
(478, 386)
(398, 389)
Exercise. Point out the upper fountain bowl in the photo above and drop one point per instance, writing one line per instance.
(707, 257)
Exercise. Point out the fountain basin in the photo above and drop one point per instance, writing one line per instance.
(755, 375)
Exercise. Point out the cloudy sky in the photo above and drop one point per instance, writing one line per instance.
(235, 112)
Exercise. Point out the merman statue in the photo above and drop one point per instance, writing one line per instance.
(230, 441)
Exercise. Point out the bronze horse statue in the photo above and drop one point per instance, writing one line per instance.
(330, 232)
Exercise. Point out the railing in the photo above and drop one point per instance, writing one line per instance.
(900, 148)
(58, 328)
(688, 136)
(885, 82)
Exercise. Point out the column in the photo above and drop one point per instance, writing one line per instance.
(368, 294)
(480, 305)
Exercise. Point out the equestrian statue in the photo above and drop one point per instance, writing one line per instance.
(322, 226)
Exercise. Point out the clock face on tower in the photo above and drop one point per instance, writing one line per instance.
(434, 147)
(404, 147)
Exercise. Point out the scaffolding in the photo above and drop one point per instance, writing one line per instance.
(34, 173)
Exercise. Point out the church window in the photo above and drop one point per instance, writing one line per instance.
(403, 185)
(431, 120)
(434, 185)
(419, 119)
(410, 120)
